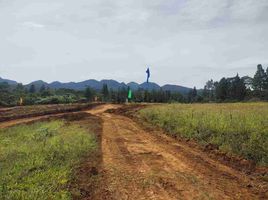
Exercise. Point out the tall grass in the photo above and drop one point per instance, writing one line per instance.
(239, 128)
(36, 160)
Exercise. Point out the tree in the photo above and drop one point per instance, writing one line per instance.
(238, 88)
(105, 93)
(47, 92)
(42, 88)
(89, 94)
(122, 94)
(266, 80)
(178, 97)
(210, 87)
(266, 85)
(19, 90)
(221, 89)
(205, 92)
(192, 95)
(7, 97)
(231, 89)
(113, 96)
(259, 80)
(4, 93)
(194, 92)
(32, 89)
(4, 87)
(248, 81)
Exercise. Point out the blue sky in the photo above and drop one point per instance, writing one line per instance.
(184, 42)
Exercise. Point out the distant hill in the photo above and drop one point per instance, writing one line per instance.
(133, 85)
(10, 82)
(97, 85)
(38, 84)
(75, 86)
(149, 86)
(175, 88)
(112, 84)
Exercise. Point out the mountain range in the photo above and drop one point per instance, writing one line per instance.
(97, 85)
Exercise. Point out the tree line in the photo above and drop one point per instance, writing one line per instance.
(237, 88)
(11, 95)
(231, 89)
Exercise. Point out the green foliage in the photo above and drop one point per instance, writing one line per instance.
(208, 92)
(105, 93)
(37, 160)
(259, 79)
(233, 89)
(32, 89)
(42, 88)
(120, 95)
(238, 128)
(11, 96)
(192, 96)
(238, 89)
(157, 96)
(69, 98)
(89, 94)
(6, 97)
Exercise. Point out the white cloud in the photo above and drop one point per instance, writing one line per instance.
(33, 24)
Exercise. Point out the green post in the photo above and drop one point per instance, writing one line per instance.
(129, 96)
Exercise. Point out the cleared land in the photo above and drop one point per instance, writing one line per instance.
(141, 163)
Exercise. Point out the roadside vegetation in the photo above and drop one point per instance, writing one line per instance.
(37, 161)
(237, 128)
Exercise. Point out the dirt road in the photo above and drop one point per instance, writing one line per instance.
(141, 165)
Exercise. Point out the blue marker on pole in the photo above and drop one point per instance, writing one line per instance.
(148, 74)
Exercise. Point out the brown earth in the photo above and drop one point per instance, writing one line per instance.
(19, 112)
(37, 118)
(145, 165)
(141, 164)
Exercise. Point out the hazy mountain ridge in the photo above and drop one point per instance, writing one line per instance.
(174, 88)
(97, 85)
(10, 82)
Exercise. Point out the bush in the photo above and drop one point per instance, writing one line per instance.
(56, 99)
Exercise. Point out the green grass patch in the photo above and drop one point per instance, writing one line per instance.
(239, 128)
(37, 160)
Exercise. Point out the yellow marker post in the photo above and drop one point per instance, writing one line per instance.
(21, 101)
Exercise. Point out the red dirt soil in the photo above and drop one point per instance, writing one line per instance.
(138, 164)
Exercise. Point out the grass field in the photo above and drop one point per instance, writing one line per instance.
(37, 160)
(238, 128)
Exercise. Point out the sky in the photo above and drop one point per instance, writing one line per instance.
(184, 42)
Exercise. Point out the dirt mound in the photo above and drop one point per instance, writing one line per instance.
(21, 112)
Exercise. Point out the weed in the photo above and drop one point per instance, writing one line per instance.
(37, 160)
